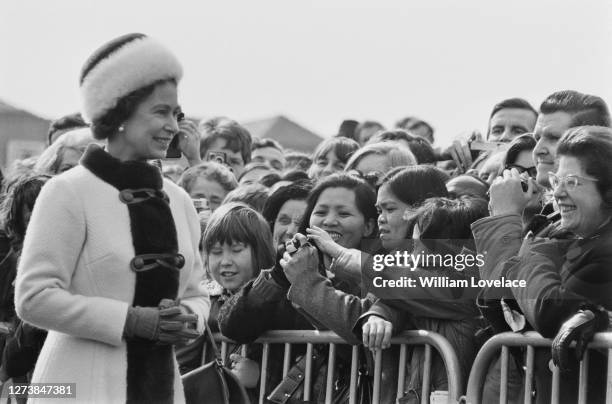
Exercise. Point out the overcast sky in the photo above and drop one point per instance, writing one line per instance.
(319, 62)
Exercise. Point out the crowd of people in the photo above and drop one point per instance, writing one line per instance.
(115, 259)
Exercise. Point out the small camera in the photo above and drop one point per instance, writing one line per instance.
(217, 156)
(292, 245)
(200, 204)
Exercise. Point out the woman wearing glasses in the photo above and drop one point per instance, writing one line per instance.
(569, 282)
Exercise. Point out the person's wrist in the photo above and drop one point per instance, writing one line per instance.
(194, 161)
(497, 210)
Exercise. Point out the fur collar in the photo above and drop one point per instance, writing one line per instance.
(122, 175)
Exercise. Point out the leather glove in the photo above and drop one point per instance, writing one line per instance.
(169, 325)
(142, 322)
(277, 273)
(176, 325)
(580, 328)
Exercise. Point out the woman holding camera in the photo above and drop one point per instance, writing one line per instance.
(340, 209)
(110, 264)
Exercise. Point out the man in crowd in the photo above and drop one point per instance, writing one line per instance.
(417, 127)
(227, 142)
(509, 119)
(269, 151)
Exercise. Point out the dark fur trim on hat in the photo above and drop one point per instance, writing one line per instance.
(105, 51)
(150, 372)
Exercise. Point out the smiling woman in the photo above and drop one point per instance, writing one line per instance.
(117, 281)
(568, 282)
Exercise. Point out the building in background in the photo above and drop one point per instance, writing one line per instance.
(22, 134)
(288, 133)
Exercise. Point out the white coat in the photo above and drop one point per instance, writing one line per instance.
(74, 279)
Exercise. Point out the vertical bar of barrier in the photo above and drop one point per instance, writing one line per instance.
(377, 376)
(529, 373)
(582, 379)
(223, 352)
(556, 382)
(503, 384)
(354, 365)
(243, 351)
(401, 372)
(426, 375)
(286, 359)
(264, 373)
(331, 364)
(609, 382)
(308, 376)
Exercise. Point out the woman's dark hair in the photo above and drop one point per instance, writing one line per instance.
(412, 185)
(592, 145)
(20, 195)
(518, 145)
(236, 222)
(445, 223)
(269, 179)
(108, 124)
(295, 175)
(296, 191)
(365, 196)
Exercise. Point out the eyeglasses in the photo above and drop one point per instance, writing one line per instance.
(570, 181)
(531, 171)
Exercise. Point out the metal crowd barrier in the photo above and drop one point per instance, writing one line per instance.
(531, 340)
(311, 338)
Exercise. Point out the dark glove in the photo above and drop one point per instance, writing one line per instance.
(168, 325)
(177, 327)
(580, 328)
(142, 322)
(277, 272)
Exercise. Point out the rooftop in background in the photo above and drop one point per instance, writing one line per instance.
(288, 133)
(22, 134)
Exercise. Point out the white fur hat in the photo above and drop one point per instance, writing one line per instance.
(120, 67)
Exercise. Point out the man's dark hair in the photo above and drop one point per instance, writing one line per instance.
(585, 109)
(347, 128)
(63, 125)
(237, 138)
(515, 103)
(260, 143)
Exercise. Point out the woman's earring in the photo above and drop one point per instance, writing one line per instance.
(121, 128)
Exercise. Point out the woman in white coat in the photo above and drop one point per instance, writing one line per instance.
(110, 263)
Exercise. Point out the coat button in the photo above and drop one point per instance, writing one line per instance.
(126, 196)
(138, 263)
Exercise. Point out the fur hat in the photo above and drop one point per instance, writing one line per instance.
(120, 67)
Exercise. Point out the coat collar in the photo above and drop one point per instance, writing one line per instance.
(121, 174)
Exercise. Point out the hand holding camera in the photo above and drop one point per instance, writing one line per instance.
(186, 142)
(304, 257)
(508, 195)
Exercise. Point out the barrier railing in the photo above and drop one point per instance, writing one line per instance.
(310, 338)
(531, 340)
